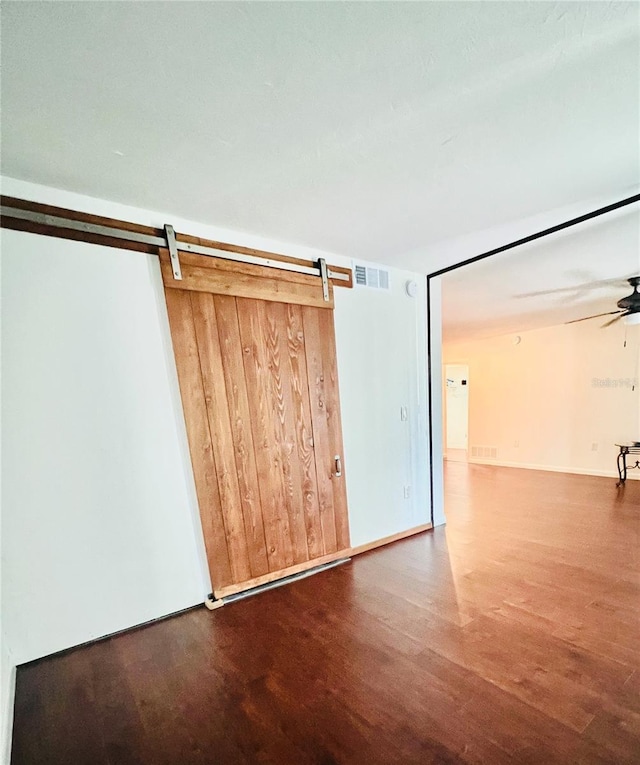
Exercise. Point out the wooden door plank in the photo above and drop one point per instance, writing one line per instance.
(192, 259)
(304, 429)
(268, 287)
(334, 421)
(322, 444)
(277, 348)
(252, 321)
(240, 422)
(204, 260)
(195, 413)
(242, 521)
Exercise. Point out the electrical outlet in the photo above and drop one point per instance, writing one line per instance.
(407, 492)
(594, 447)
(516, 444)
(404, 415)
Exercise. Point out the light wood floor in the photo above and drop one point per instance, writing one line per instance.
(511, 636)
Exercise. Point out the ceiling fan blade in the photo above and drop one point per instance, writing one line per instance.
(613, 321)
(579, 288)
(595, 316)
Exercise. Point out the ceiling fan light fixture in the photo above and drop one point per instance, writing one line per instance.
(632, 318)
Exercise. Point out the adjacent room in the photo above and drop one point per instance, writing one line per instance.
(315, 448)
(540, 364)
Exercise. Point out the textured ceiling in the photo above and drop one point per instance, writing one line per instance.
(369, 129)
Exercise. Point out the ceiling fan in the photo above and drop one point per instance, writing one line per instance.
(629, 307)
(580, 290)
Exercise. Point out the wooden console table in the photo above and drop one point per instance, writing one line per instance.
(622, 460)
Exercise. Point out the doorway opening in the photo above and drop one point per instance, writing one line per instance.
(456, 412)
(436, 402)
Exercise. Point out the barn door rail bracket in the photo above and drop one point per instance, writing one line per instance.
(173, 250)
(324, 275)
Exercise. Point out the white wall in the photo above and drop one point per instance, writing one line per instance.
(545, 402)
(7, 662)
(381, 346)
(100, 528)
(459, 248)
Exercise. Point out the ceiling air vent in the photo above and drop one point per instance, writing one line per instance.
(361, 275)
(371, 277)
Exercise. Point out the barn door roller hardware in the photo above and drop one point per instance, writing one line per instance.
(324, 275)
(169, 241)
(212, 602)
(173, 251)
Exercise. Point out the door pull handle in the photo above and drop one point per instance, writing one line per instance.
(338, 472)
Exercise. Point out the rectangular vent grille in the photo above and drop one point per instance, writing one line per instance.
(484, 452)
(372, 277)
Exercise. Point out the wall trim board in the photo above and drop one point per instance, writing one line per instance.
(390, 539)
(58, 231)
(7, 723)
(433, 277)
(612, 474)
(102, 638)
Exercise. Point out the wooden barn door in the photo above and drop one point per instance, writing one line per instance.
(258, 380)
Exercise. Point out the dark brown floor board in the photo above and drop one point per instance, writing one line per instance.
(510, 636)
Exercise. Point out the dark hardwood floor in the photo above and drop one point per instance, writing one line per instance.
(511, 636)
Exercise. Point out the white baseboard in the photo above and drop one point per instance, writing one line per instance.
(613, 473)
(392, 538)
(7, 723)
